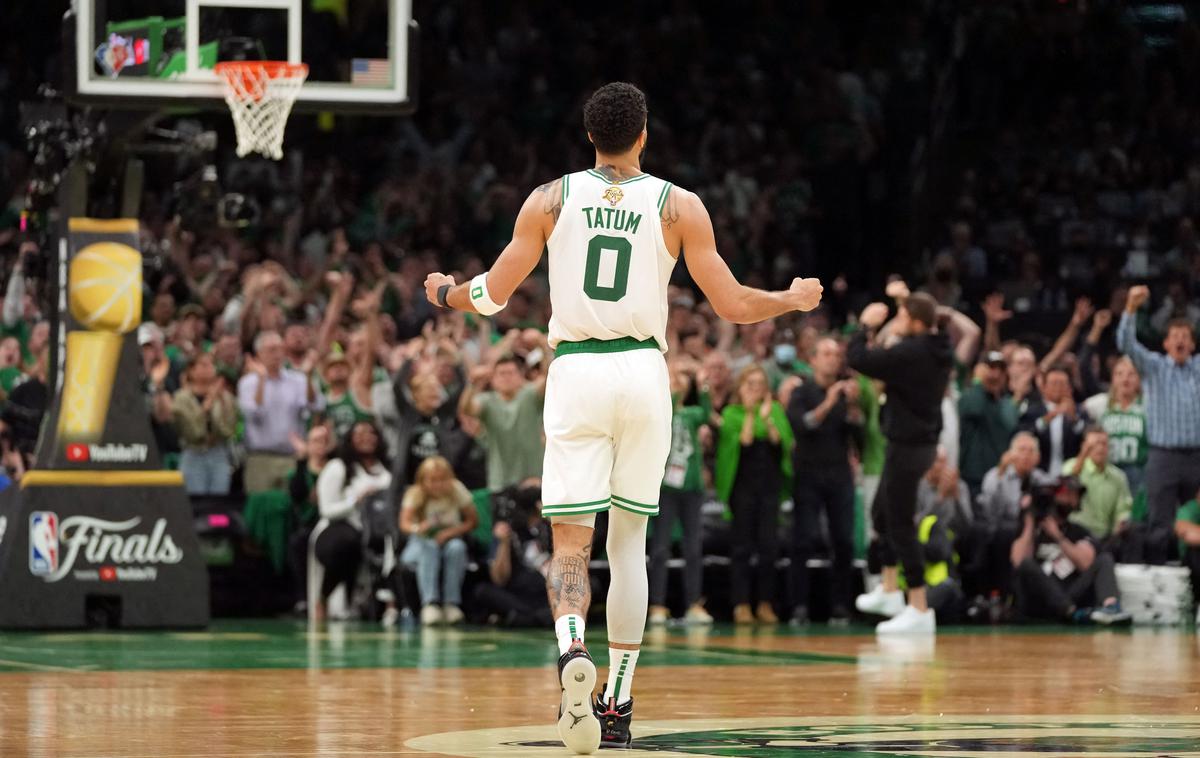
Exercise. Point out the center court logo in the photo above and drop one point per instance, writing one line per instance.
(118, 551)
(847, 737)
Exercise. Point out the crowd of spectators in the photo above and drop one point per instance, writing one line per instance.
(295, 364)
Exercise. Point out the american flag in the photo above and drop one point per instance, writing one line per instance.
(371, 72)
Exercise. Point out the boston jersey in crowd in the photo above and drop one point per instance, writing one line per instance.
(1127, 443)
(609, 265)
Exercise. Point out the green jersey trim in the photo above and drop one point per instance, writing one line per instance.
(619, 345)
(662, 197)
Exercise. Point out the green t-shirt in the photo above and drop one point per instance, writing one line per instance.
(306, 512)
(514, 436)
(21, 330)
(175, 355)
(344, 413)
(1189, 511)
(777, 373)
(987, 425)
(874, 443)
(231, 373)
(684, 463)
(962, 378)
(9, 376)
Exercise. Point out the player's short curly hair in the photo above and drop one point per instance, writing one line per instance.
(615, 115)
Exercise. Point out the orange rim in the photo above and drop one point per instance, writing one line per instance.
(250, 72)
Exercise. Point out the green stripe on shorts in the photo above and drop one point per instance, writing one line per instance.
(575, 509)
(633, 506)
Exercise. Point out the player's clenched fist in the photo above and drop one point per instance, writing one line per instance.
(433, 282)
(807, 293)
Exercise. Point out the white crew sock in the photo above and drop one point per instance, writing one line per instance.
(621, 664)
(568, 628)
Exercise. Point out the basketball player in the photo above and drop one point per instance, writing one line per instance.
(613, 234)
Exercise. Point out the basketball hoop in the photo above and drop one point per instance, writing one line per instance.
(260, 96)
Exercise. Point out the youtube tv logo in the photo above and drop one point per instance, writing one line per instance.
(109, 452)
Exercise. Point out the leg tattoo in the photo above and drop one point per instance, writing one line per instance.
(567, 584)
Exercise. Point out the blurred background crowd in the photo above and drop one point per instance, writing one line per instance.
(1026, 163)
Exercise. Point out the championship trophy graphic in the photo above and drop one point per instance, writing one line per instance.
(101, 534)
(104, 292)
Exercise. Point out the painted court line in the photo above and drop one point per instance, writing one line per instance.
(44, 667)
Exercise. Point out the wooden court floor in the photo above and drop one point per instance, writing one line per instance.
(275, 688)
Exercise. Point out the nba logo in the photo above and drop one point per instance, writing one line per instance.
(43, 543)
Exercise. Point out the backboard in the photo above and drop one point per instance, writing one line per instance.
(161, 53)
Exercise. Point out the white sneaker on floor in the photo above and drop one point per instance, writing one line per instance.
(578, 727)
(390, 616)
(909, 621)
(880, 603)
(452, 614)
(430, 615)
(698, 615)
(659, 615)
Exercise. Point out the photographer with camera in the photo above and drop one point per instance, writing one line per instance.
(1060, 573)
(515, 594)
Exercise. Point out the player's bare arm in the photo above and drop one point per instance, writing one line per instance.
(688, 230)
(535, 222)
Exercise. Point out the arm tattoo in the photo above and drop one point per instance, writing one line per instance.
(552, 198)
(670, 211)
(567, 584)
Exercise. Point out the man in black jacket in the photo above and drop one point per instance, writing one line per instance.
(827, 422)
(916, 370)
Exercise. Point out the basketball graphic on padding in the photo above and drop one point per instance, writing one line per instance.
(105, 287)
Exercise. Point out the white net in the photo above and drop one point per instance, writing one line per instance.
(260, 96)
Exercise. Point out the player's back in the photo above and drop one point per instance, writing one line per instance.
(609, 265)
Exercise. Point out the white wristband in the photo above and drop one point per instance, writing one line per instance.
(481, 298)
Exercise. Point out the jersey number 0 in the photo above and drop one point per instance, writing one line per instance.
(603, 245)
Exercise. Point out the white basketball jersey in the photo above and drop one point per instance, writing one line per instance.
(609, 265)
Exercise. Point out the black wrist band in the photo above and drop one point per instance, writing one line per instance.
(443, 291)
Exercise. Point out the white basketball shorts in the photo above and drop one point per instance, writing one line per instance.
(608, 432)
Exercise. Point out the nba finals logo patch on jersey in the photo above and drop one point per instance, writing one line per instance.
(614, 195)
(43, 543)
